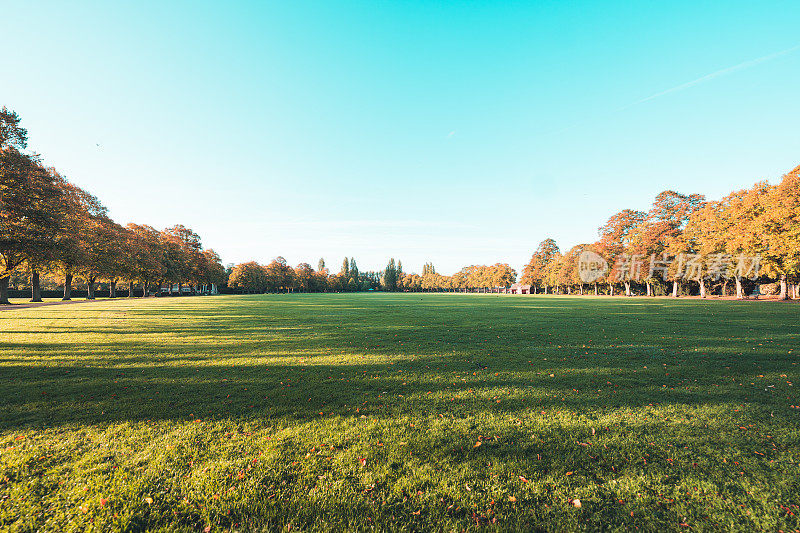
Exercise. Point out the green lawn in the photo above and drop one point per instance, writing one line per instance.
(400, 412)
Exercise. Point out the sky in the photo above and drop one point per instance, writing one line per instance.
(455, 132)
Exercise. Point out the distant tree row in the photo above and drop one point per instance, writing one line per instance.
(279, 277)
(49, 225)
(684, 243)
(471, 278)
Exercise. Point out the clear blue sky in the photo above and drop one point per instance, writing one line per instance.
(453, 132)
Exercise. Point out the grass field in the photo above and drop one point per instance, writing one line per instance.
(400, 412)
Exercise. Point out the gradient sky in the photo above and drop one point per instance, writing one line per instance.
(453, 132)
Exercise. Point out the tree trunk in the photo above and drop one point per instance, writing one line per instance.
(130, 290)
(4, 291)
(739, 292)
(36, 288)
(144, 288)
(702, 288)
(595, 289)
(90, 289)
(169, 288)
(649, 292)
(180, 288)
(627, 288)
(784, 291)
(581, 289)
(112, 289)
(675, 288)
(67, 287)
(611, 289)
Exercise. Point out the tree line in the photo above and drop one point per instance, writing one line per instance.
(686, 245)
(682, 244)
(278, 276)
(48, 225)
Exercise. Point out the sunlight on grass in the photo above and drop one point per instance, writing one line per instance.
(399, 412)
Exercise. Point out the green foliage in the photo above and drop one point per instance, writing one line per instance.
(390, 277)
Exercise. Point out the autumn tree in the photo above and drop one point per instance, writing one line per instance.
(616, 242)
(210, 271)
(660, 232)
(502, 275)
(31, 206)
(779, 230)
(742, 215)
(280, 275)
(31, 214)
(249, 277)
(103, 237)
(304, 275)
(534, 272)
(71, 242)
(147, 255)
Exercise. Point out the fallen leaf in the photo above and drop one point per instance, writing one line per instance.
(512, 499)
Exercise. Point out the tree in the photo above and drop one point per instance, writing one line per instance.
(31, 206)
(211, 271)
(12, 135)
(704, 235)
(304, 276)
(502, 275)
(41, 254)
(249, 277)
(280, 275)
(534, 271)
(103, 238)
(568, 274)
(122, 267)
(616, 239)
(183, 248)
(31, 212)
(779, 230)
(740, 223)
(147, 255)
(71, 244)
(353, 275)
(390, 276)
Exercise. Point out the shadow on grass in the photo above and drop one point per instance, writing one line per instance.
(293, 357)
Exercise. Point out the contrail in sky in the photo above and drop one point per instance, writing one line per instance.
(688, 84)
(718, 73)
